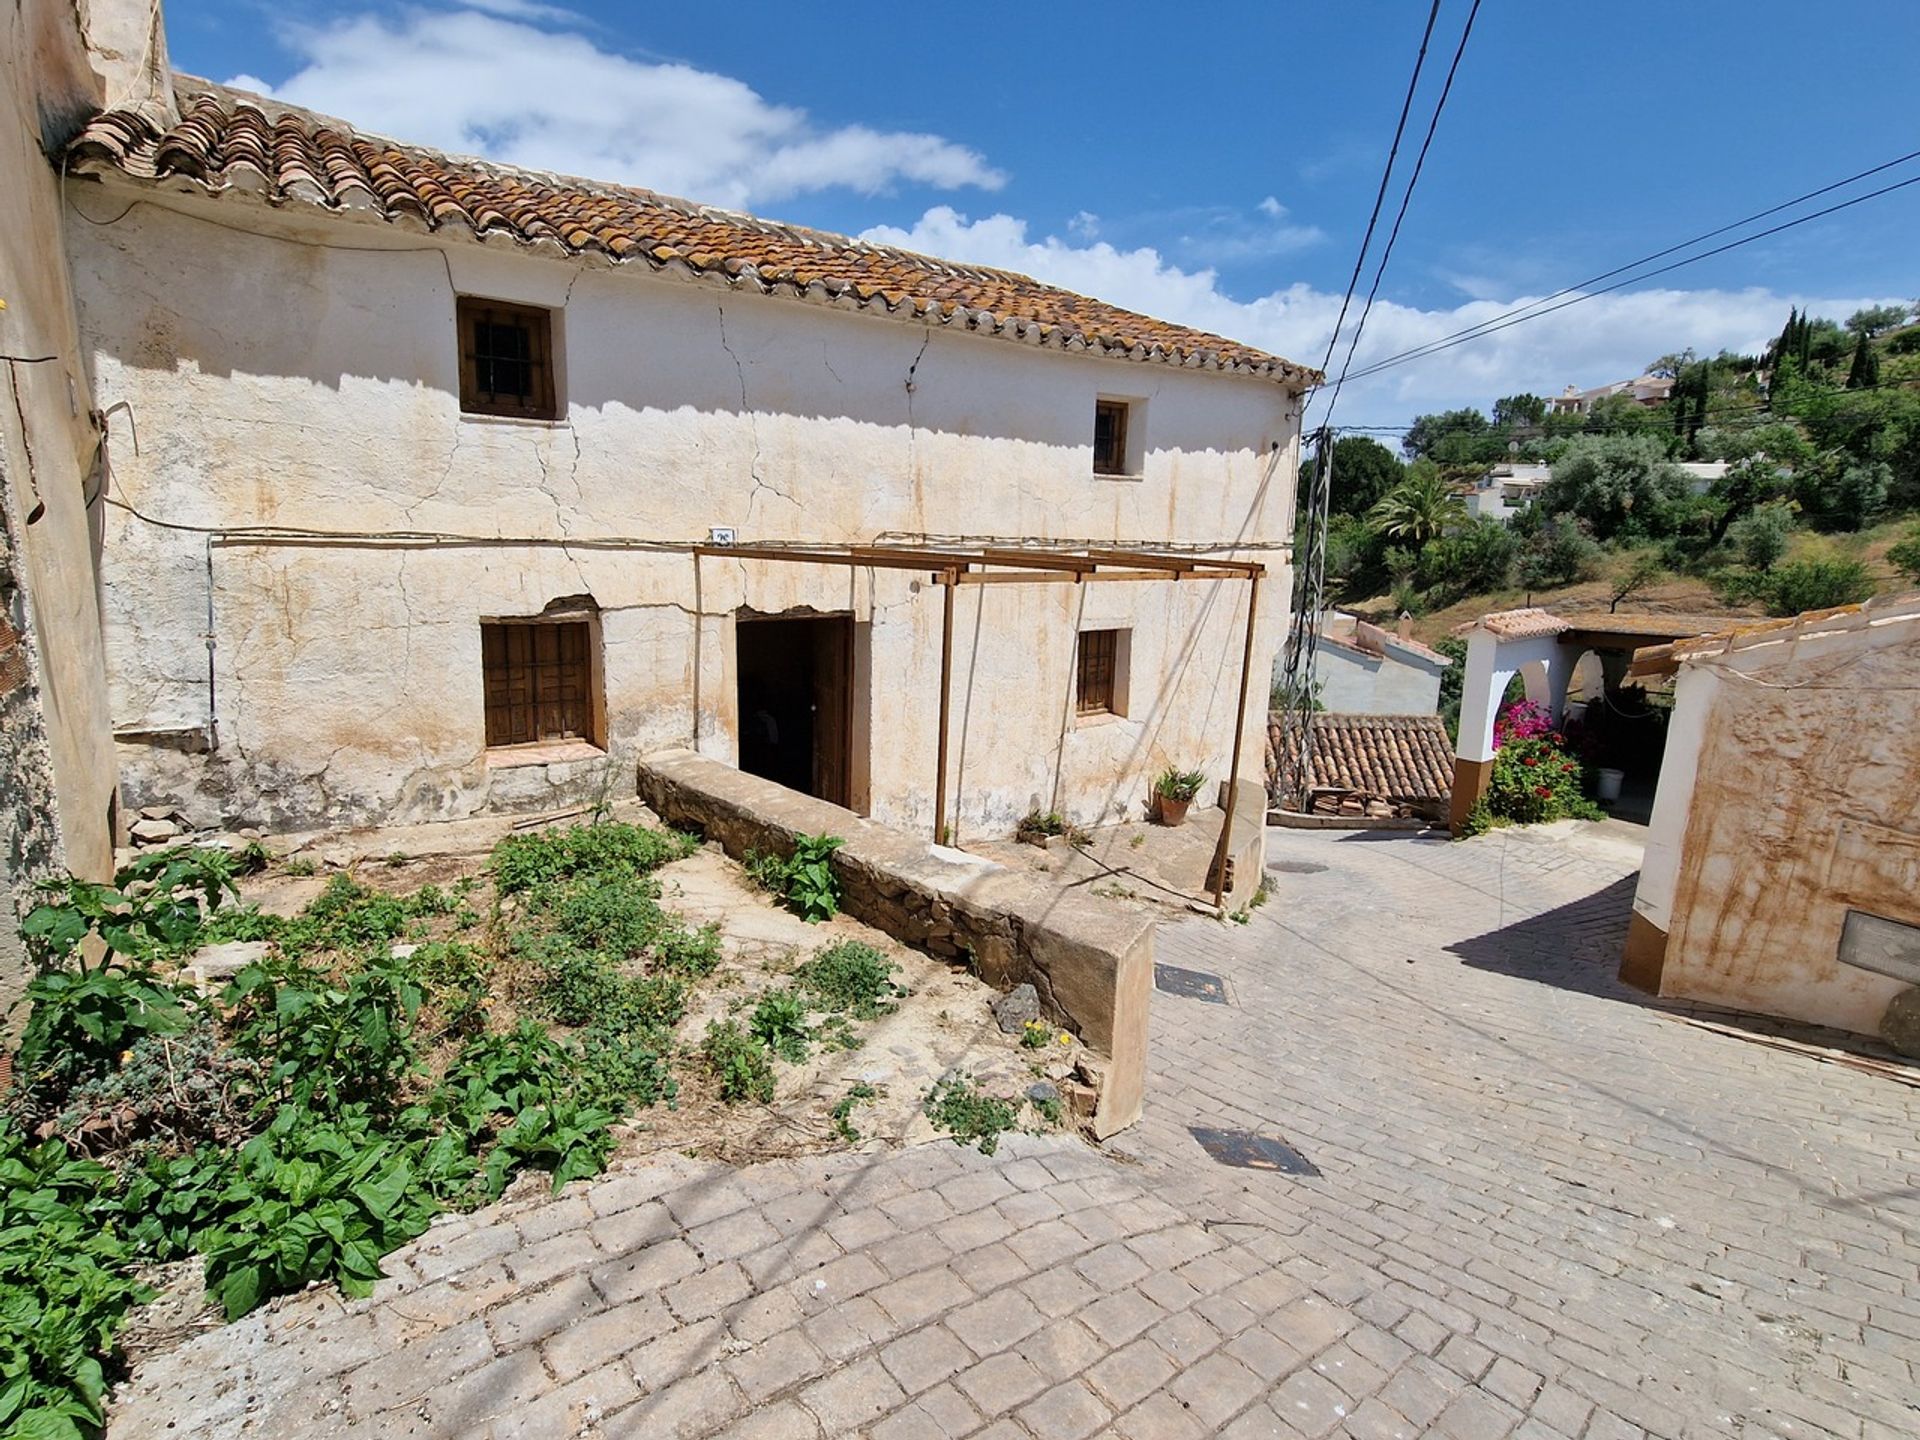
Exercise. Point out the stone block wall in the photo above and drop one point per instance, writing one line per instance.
(1091, 962)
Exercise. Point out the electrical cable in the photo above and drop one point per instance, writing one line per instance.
(1386, 178)
(1579, 285)
(1587, 295)
(1386, 251)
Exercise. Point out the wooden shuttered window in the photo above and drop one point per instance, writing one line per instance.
(1099, 657)
(506, 359)
(539, 681)
(1110, 437)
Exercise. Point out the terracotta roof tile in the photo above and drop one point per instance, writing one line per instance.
(1392, 757)
(1517, 624)
(228, 141)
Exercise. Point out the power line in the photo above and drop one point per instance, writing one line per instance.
(1448, 344)
(1406, 200)
(1579, 285)
(1386, 176)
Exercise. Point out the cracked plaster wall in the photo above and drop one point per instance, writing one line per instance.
(276, 381)
(56, 753)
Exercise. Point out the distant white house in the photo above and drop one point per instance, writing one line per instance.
(1508, 488)
(1645, 390)
(1366, 670)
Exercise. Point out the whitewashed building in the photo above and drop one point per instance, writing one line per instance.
(411, 458)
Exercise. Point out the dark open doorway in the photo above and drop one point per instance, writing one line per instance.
(796, 710)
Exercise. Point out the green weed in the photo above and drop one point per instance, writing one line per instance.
(970, 1117)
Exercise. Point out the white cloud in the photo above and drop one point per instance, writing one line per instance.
(547, 98)
(1609, 337)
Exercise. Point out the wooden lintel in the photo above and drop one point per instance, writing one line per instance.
(885, 559)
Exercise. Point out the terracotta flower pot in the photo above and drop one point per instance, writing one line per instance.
(1173, 812)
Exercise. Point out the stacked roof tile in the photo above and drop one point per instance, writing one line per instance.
(226, 142)
(1391, 757)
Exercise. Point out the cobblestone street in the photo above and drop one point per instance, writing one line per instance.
(1543, 1208)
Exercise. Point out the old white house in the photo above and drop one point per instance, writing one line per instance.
(410, 456)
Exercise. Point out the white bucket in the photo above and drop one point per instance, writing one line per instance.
(1608, 783)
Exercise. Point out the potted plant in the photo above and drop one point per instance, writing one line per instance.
(1175, 790)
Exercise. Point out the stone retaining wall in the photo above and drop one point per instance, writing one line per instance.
(1090, 961)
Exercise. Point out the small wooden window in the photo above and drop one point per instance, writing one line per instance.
(1110, 437)
(506, 359)
(1099, 661)
(539, 681)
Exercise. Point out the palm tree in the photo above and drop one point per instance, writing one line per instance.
(1418, 509)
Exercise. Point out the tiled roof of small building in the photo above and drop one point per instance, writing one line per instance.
(1516, 624)
(1658, 660)
(1394, 757)
(227, 142)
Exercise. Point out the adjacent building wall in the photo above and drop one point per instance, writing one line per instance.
(58, 63)
(308, 381)
(1786, 799)
(1353, 682)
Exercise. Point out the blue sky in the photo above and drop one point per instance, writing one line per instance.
(1215, 170)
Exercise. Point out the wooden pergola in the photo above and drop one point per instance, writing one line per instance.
(991, 565)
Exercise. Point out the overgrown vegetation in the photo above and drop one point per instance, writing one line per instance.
(1819, 435)
(329, 1102)
(1535, 779)
(805, 879)
(956, 1108)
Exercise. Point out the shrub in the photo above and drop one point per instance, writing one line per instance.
(1813, 585)
(66, 1282)
(779, 1022)
(850, 978)
(1762, 534)
(1905, 555)
(805, 878)
(738, 1063)
(1473, 560)
(970, 1117)
(521, 862)
(1555, 552)
(1535, 781)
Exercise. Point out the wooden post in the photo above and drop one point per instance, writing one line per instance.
(1239, 736)
(950, 581)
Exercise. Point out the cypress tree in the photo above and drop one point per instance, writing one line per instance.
(1864, 373)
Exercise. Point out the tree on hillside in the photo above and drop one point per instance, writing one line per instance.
(1640, 573)
(1452, 437)
(1877, 320)
(1864, 372)
(1622, 415)
(1512, 410)
(1418, 509)
(1363, 471)
(1670, 365)
(1620, 485)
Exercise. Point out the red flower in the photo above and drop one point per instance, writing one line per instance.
(1559, 739)
(1544, 793)
(1569, 768)
(1529, 760)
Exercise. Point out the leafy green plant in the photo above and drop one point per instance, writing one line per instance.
(972, 1118)
(738, 1063)
(851, 978)
(1050, 1109)
(521, 862)
(311, 1198)
(301, 866)
(65, 1284)
(1535, 781)
(859, 1093)
(152, 909)
(779, 1022)
(328, 1043)
(1904, 555)
(1036, 1034)
(805, 878)
(1172, 784)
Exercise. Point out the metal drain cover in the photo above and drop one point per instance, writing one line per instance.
(1244, 1150)
(1295, 867)
(1190, 984)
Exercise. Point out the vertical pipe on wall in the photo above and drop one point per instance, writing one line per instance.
(950, 581)
(1239, 736)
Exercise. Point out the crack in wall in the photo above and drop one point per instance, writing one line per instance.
(760, 482)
